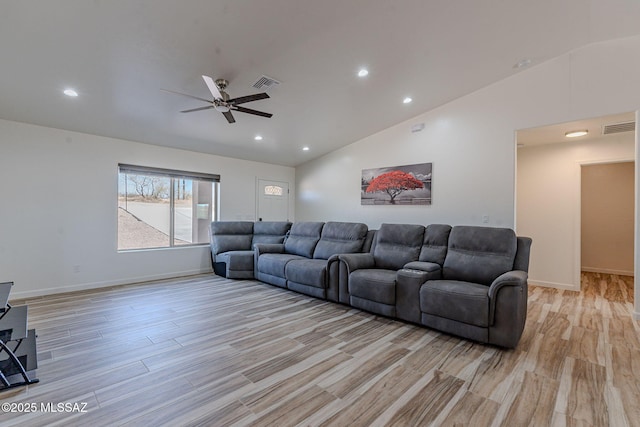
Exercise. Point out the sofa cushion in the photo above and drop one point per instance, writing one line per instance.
(479, 254)
(340, 238)
(270, 231)
(231, 236)
(397, 244)
(377, 285)
(237, 260)
(460, 301)
(274, 264)
(312, 272)
(303, 238)
(435, 242)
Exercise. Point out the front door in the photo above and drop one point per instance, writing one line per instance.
(273, 200)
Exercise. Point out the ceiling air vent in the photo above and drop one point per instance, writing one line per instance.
(265, 83)
(618, 127)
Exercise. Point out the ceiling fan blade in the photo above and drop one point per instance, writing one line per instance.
(250, 111)
(248, 98)
(197, 109)
(212, 87)
(188, 96)
(229, 116)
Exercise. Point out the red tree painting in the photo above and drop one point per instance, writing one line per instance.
(393, 183)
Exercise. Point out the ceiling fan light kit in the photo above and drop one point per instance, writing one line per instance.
(222, 102)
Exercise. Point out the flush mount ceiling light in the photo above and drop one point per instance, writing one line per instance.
(407, 100)
(363, 72)
(70, 92)
(258, 137)
(576, 133)
(305, 148)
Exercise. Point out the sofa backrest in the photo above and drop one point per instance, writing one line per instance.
(270, 231)
(479, 254)
(340, 238)
(522, 257)
(369, 240)
(397, 244)
(303, 238)
(231, 236)
(435, 243)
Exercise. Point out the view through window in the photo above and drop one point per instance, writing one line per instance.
(160, 208)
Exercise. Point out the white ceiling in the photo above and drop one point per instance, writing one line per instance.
(119, 54)
(553, 134)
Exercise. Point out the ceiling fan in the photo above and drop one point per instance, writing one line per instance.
(222, 102)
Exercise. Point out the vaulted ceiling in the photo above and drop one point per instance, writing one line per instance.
(119, 55)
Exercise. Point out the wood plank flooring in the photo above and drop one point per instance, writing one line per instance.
(206, 351)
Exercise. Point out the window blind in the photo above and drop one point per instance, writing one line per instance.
(171, 173)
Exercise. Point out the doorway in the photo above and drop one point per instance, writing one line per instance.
(273, 200)
(548, 190)
(607, 218)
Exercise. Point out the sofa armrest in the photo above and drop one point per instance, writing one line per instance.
(429, 267)
(268, 248)
(408, 284)
(338, 272)
(508, 308)
(357, 261)
(510, 278)
(334, 278)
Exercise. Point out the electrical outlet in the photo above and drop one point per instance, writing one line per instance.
(76, 269)
(485, 219)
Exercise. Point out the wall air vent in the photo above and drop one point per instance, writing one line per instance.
(265, 83)
(618, 127)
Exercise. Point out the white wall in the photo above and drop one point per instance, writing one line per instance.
(59, 208)
(471, 141)
(548, 207)
(468, 183)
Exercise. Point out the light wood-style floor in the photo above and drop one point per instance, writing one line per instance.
(211, 352)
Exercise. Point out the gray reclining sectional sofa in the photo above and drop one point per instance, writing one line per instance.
(465, 280)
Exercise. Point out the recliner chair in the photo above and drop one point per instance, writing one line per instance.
(312, 276)
(372, 276)
(271, 259)
(482, 294)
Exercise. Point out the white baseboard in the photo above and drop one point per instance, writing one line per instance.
(608, 271)
(104, 284)
(562, 286)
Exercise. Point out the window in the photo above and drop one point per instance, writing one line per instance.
(162, 208)
(273, 190)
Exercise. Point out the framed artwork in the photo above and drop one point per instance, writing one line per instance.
(397, 185)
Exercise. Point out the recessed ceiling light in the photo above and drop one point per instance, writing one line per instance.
(258, 137)
(305, 148)
(70, 92)
(363, 72)
(576, 133)
(407, 100)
